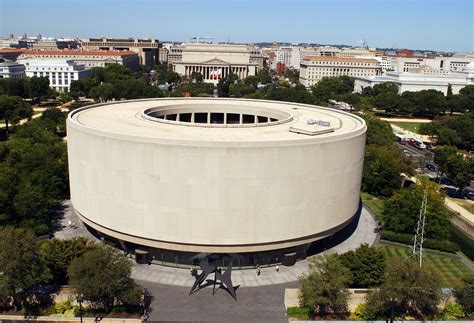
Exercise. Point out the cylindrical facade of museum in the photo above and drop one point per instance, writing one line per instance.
(215, 175)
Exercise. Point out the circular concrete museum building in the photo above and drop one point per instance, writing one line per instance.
(178, 178)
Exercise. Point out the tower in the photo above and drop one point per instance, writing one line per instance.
(420, 229)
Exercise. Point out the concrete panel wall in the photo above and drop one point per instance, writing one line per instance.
(210, 195)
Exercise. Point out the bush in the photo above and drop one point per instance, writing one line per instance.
(298, 312)
(62, 307)
(466, 244)
(362, 313)
(404, 238)
(452, 311)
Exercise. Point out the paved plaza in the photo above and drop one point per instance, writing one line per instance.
(254, 304)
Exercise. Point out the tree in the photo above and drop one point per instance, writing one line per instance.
(297, 93)
(223, 86)
(54, 120)
(324, 287)
(102, 275)
(102, 92)
(22, 268)
(196, 77)
(379, 132)
(332, 88)
(38, 87)
(428, 103)
(58, 254)
(408, 291)
(388, 101)
(465, 296)
(33, 163)
(292, 74)
(239, 90)
(460, 170)
(382, 170)
(13, 109)
(264, 76)
(14, 87)
(402, 209)
(468, 93)
(385, 87)
(367, 266)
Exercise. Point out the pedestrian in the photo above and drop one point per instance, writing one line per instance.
(258, 270)
(277, 268)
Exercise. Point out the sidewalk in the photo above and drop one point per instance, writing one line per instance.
(459, 209)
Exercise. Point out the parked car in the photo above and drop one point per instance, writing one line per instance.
(430, 167)
(468, 193)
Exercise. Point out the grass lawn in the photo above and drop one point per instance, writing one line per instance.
(374, 203)
(410, 126)
(468, 205)
(451, 271)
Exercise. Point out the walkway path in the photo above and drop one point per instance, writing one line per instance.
(459, 209)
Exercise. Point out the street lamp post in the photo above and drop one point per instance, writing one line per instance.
(80, 299)
(393, 301)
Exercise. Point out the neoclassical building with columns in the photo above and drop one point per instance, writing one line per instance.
(215, 61)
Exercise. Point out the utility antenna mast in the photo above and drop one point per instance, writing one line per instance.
(420, 229)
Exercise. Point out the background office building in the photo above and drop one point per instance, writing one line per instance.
(215, 61)
(148, 50)
(417, 81)
(89, 58)
(9, 69)
(314, 68)
(59, 72)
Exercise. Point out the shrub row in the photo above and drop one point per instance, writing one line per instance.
(298, 312)
(447, 246)
(465, 243)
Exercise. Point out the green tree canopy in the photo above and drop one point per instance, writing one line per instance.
(264, 76)
(367, 266)
(382, 170)
(408, 291)
(379, 132)
(13, 109)
(38, 87)
(324, 287)
(332, 88)
(58, 254)
(14, 87)
(465, 296)
(33, 169)
(21, 266)
(102, 275)
(402, 209)
(459, 169)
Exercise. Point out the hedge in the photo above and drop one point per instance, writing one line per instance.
(404, 238)
(465, 243)
(298, 312)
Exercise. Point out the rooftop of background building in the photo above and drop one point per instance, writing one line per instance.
(68, 52)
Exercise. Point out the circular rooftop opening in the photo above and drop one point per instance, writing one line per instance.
(219, 115)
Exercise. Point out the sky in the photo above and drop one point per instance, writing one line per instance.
(445, 25)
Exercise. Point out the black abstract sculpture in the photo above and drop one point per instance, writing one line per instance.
(208, 267)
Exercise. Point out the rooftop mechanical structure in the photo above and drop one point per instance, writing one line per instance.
(181, 177)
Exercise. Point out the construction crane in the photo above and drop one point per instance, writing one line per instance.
(197, 38)
(364, 43)
(420, 230)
